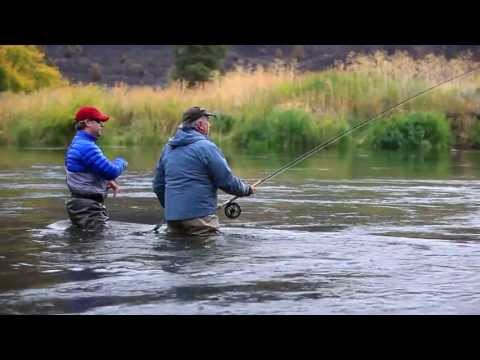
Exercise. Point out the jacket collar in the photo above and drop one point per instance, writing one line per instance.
(85, 135)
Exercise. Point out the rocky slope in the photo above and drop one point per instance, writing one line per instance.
(151, 64)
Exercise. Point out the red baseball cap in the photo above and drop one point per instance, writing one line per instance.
(90, 113)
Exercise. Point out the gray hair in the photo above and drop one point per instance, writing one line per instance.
(190, 124)
(80, 125)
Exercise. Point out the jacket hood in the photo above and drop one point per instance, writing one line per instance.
(186, 137)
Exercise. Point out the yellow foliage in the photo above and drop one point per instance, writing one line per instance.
(23, 68)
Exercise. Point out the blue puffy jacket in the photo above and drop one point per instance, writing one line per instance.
(189, 173)
(88, 170)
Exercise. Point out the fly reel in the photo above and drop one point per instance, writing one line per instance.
(232, 210)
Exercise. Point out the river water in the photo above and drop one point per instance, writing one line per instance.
(341, 233)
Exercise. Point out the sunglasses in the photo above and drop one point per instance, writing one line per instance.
(98, 122)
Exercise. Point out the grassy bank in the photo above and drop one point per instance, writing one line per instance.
(274, 109)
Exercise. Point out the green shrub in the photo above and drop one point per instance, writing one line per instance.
(475, 135)
(23, 136)
(56, 134)
(415, 131)
(286, 130)
(223, 124)
(3, 138)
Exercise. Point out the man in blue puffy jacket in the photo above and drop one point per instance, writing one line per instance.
(190, 171)
(89, 173)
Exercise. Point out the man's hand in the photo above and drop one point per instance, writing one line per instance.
(114, 186)
(253, 189)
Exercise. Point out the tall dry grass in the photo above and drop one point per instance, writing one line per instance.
(252, 100)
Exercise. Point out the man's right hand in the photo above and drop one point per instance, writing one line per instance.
(252, 190)
(114, 186)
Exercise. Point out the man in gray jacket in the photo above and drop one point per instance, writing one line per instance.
(190, 171)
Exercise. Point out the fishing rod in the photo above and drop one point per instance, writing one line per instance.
(233, 210)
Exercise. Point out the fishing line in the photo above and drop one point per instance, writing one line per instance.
(233, 210)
